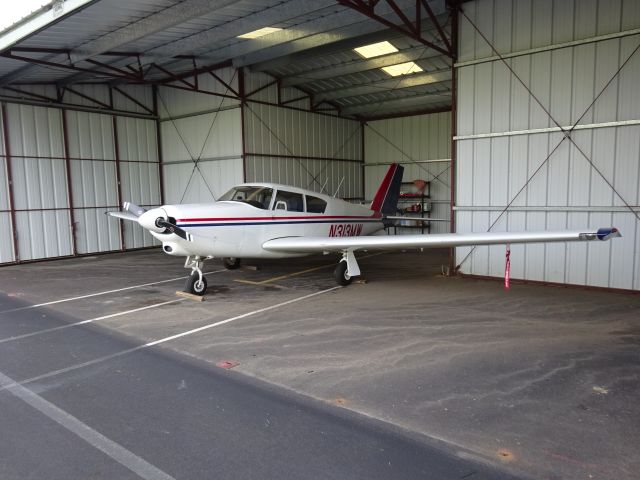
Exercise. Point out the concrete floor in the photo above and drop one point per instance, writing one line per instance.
(540, 381)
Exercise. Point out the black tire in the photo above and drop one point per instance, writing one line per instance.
(340, 274)
(231, 263)
(193, 285)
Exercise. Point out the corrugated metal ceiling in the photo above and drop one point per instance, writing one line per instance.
(318, 37)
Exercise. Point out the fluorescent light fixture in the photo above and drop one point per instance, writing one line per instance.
(261, 32)
(402, 69)
(375, 49)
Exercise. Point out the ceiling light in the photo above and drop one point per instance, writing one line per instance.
(261, 32)
(375, 49)
(402, 69)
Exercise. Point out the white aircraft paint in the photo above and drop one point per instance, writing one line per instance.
(265, 220)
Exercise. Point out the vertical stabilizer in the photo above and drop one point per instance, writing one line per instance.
(386, 198)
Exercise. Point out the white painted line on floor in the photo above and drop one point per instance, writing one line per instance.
(91, 320)
(94, 438)
(103, 293)
(238, 317)
(164, 340)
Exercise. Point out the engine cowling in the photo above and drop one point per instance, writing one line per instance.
(148, 219)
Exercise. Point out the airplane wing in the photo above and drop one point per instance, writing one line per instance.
(440, 240)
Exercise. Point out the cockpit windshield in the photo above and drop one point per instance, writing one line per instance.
(259, 197)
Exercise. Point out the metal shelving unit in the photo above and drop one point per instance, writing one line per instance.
(413, 206)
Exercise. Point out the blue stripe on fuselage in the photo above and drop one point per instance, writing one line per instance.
(271, 222)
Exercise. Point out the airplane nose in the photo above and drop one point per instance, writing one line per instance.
(148, 219)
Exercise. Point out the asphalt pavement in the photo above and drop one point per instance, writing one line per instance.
(117, 411)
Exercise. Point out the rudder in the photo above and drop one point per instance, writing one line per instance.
(386, 198)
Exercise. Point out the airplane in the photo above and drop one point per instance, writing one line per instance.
(268, 220)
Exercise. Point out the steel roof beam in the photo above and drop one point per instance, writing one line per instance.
(268, 17)
(47, 63)
(39, 20)
(408, 28)
(374, 108)
(392, 83)
(411, 113)
(154, 23)
(322, 50)
(167, 18)
(165, 54)
(327, 30)
(356, 66)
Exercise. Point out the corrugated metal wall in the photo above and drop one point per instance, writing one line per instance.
(39, 181)
(63, 182)
(6, 227)
(294, 147)
(207, 128)
(414, 142)
(497, 153)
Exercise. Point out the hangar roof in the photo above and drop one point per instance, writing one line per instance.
(161, 41)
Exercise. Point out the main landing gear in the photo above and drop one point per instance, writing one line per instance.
(196, 283)
(347, 269)
(340, 273)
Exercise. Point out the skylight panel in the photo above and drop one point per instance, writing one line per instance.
(402, 69)
(375, 49)
(261, 32)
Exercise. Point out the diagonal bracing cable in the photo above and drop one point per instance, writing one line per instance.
(412, 160)
(378, 106)
(276, 137)
(566, 131)
(194, 159)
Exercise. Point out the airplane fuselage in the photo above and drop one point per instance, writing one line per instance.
(232, 228)
(278, 221)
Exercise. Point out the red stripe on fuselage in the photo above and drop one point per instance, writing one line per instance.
(315, 217)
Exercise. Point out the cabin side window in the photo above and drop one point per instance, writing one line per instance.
(259, 197)
(315, 205)
(292, 201)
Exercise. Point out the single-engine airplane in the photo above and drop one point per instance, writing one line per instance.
(266, 220)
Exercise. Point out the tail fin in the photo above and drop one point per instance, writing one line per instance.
(386, 199)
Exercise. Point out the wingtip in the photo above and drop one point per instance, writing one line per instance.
(608, 233)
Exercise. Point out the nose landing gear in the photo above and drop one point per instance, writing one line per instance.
(196, 283)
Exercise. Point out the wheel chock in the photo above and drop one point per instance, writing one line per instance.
(190, 296)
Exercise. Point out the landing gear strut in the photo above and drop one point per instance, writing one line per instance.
(346, 269)
(196, 283)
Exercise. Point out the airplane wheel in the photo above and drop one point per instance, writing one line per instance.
(231, 263)
(195, 286)
(341, 275)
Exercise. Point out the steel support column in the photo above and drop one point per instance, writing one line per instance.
(243, 105)
(363, 126)
(67, 170)
(454, 128)
(116, 149)
(12, 211)
(156, 112)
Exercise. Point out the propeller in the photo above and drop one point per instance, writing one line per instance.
(173, 228)
(133, 208)
(154, 220)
